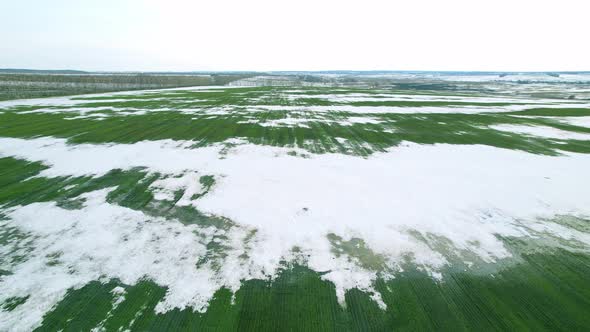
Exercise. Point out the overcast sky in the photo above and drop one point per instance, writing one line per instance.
(519, 35)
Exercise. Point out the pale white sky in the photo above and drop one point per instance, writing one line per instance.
(518, 35)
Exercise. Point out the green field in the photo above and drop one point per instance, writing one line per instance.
(297, 208)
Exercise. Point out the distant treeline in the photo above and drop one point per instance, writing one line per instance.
(24, 85)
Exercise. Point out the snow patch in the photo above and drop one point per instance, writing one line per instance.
(278, 201)
(541, 131)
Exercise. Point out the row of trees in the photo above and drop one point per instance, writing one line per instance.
(19, 85)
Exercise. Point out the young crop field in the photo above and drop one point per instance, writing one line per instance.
(374, 207)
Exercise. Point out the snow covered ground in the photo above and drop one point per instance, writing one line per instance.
(432, 206)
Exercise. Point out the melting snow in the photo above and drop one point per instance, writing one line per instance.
(541, 131)
(468, 195)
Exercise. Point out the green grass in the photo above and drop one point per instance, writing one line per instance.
(554, 112)
(183, 115)
(363, 138)
(546, 292)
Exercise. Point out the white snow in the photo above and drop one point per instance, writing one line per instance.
(164, 189)
(581, 121)
(466, 194)
(100, 240)
(356, 119)
(287, 122)
(541, 131)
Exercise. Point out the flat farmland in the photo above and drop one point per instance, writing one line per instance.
(318, 207)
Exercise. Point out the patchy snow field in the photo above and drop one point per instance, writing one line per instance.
(409, 188)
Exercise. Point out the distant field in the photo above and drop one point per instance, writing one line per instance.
(367, 205)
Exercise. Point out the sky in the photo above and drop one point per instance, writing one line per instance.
(264, 35)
